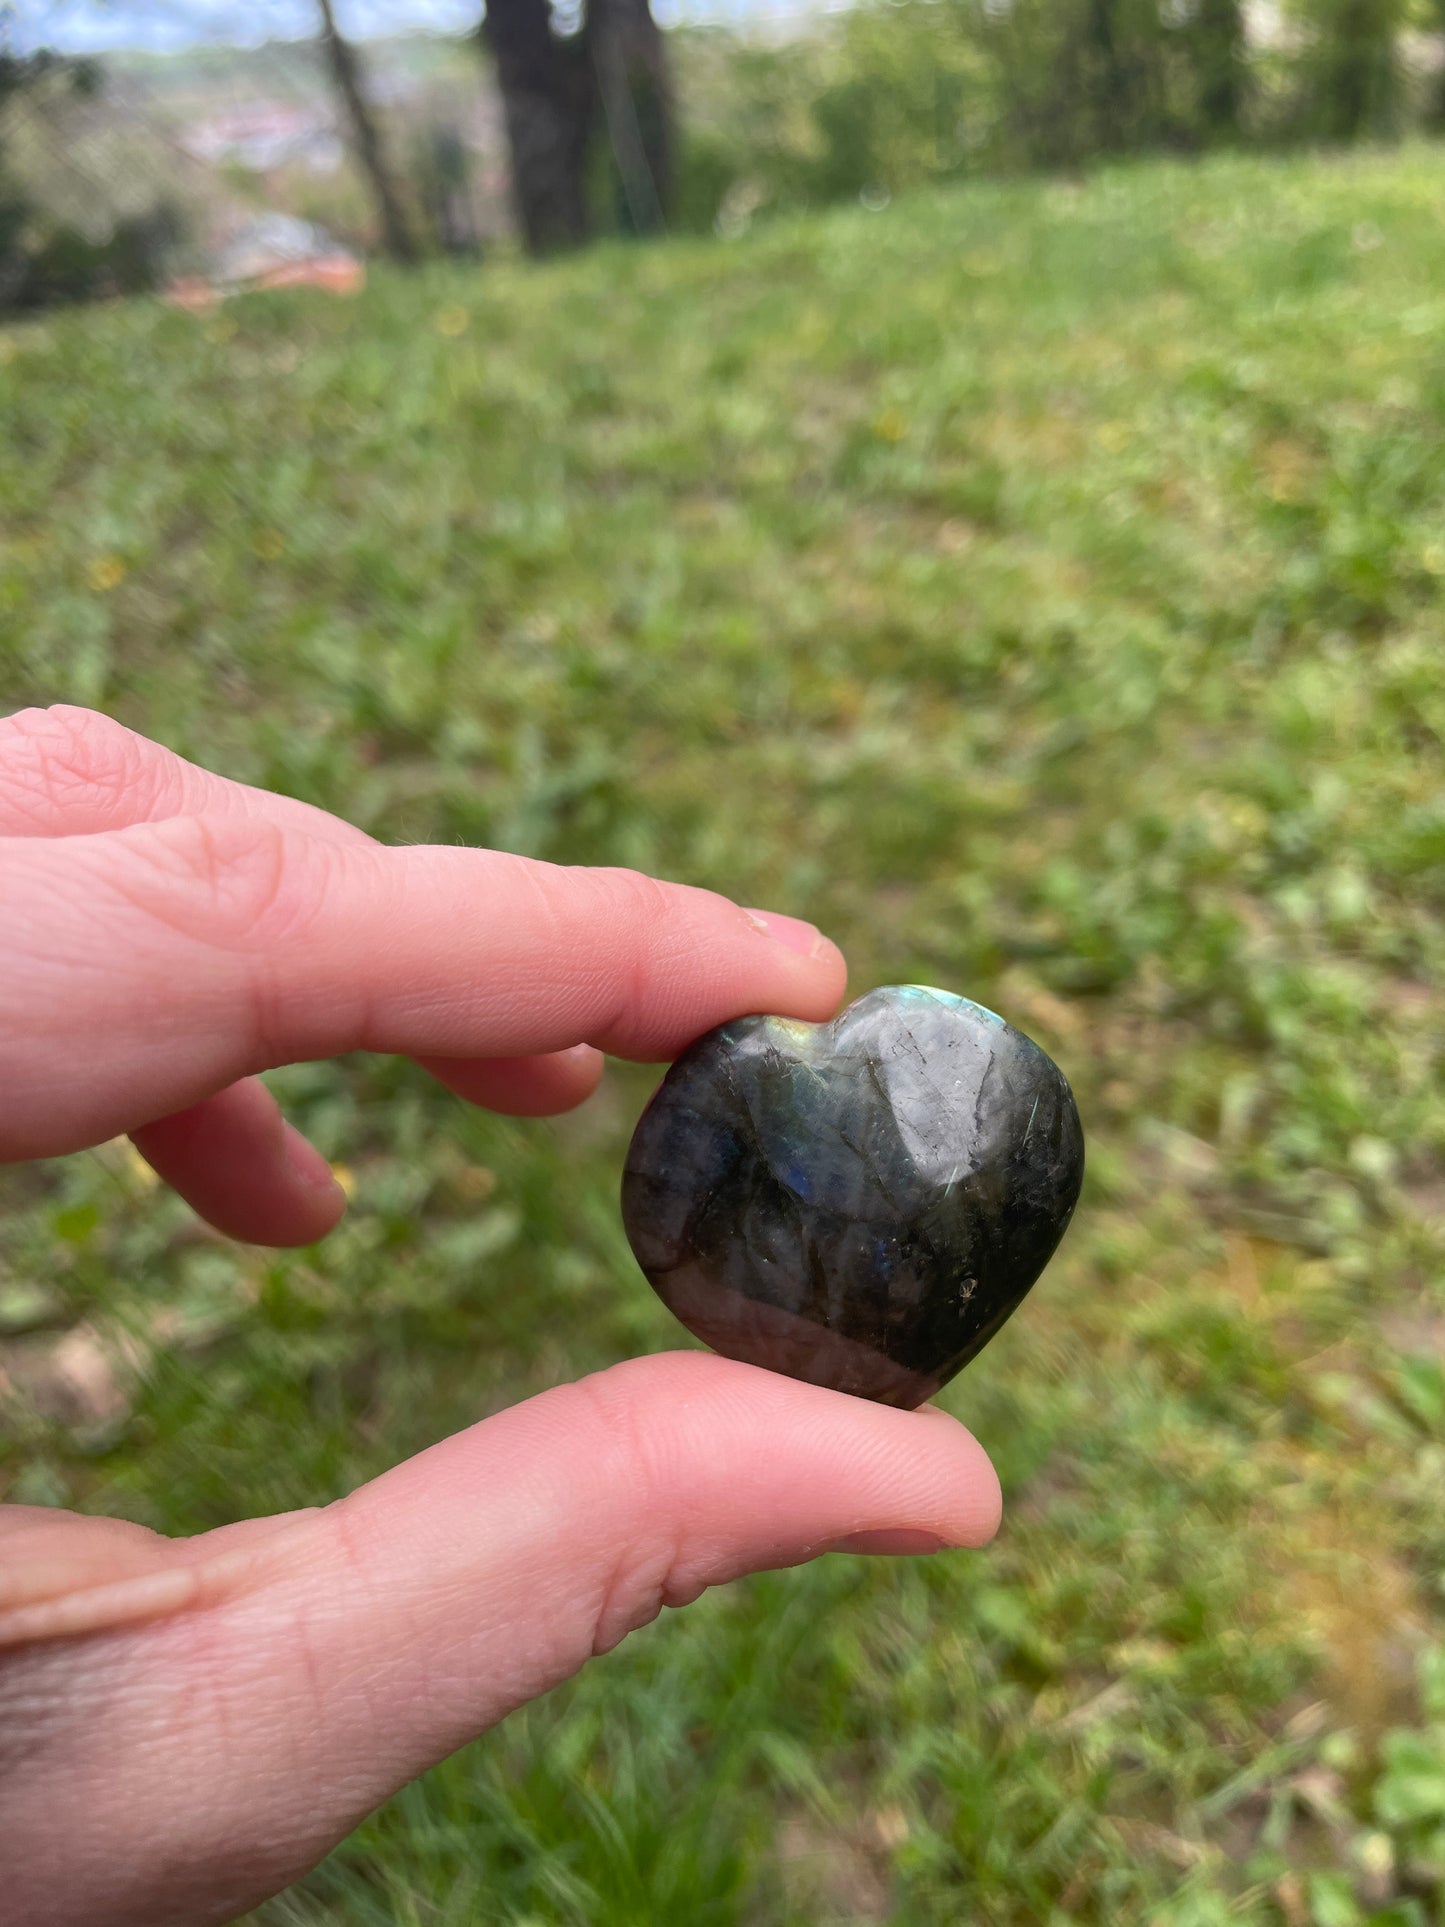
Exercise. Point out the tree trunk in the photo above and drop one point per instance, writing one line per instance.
(630, 60)
(551, 91)
(396, 234)
(1219, 40)
(1110, 93)
(547, 100)
(1357, 76)
(1434, 115)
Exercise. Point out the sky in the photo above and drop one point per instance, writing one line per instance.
(160, 26)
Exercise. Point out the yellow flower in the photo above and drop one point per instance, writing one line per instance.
(345, 1177)
(105, 573)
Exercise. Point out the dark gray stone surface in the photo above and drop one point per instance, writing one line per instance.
(860, 1204)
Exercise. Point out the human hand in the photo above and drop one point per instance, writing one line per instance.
(186, 1726)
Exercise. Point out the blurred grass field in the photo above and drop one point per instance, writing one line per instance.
(1043, 588)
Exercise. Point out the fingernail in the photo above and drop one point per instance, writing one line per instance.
(792, 932)
(899, 1539)
(307, 1164)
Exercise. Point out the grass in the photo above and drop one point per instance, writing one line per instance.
(1041, 587)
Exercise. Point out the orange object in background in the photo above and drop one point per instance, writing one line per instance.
(337, 273)
(193, 292)
(273, 251)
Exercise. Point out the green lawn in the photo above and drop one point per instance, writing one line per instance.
(1043, 588)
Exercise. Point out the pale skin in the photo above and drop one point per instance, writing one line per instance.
(188, 1725)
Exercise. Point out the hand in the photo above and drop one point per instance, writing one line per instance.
(186, 1726)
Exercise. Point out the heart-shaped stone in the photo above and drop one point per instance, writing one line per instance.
(860, 1204)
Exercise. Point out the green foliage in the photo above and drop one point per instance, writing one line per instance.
(1410, 1795)
(1040, 586)
(1352, 80)
(894, 94)
(43, 265)
(44, 261)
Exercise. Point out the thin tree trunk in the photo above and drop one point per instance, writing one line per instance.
(1356, 72)
(630, 58)
(547, 101)
(396, 234)
(1109, 89)
(1219, 39)
(1434, 115)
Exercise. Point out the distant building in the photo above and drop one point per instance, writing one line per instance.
(266, 134)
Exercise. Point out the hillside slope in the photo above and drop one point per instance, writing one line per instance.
(1041, 588)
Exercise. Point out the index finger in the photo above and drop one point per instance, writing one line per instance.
(146, 968)
(66, 771)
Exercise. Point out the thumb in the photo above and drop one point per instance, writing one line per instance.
(296, 1678)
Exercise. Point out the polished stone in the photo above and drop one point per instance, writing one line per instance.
(860, 1204)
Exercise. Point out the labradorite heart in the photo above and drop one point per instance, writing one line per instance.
(860, 1204)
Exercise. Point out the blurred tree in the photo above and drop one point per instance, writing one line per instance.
(14, 207)
(547, 99)
(443, 175)
(1352, 67)
(1219, 55)
(1078, 78)
(630, 63)
(1109, 77)
(46, 259)
(553, 84)
(888, 95)
(1433, 113)
(341, 57)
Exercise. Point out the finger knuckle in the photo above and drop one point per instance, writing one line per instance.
(641, 901)
(238, 882)
(641, 1580)
(64, 759)
(643, 911)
